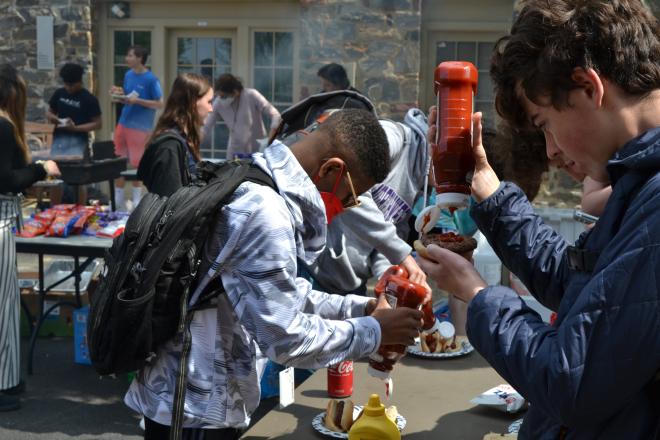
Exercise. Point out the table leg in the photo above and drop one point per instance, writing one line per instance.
(76, 282)
(42, 299)
(111, 182)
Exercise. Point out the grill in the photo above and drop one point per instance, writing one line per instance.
(101, 166)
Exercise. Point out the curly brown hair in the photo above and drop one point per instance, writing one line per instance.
(550, 38)
(518, 156)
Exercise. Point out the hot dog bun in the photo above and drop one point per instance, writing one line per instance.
(421, 250)
(339, 415)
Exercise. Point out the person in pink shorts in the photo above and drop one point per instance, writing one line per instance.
(141, 96)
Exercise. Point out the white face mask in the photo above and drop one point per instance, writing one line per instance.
(226, 100)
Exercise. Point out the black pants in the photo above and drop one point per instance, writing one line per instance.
(156, 431)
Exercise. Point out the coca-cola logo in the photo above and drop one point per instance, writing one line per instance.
(345, 367)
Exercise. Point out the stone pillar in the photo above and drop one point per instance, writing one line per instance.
(18, 44)
(378, 39)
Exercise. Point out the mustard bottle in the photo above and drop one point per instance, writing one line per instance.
(374, 424)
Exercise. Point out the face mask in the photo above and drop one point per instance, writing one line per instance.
(333, 205)
(226, 100)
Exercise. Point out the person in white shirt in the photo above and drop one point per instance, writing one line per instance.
(242, 110)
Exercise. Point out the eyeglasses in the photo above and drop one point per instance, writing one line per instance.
(355, 202)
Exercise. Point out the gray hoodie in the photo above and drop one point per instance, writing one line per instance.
(363, 242)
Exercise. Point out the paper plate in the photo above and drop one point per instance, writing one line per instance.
(317, 423)
(416, 350)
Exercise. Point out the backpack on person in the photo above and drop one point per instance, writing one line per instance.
(142, 299)
(303, 114)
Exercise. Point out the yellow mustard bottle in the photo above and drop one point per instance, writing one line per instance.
(374, 424)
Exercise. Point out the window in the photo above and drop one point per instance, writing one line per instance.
(210, 57)
(479, 54)
(122, 41)
(273, 67)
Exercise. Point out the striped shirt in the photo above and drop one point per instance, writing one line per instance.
(266, 312)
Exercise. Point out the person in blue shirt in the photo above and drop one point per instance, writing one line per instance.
(141, 96)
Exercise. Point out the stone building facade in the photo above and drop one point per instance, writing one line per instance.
(18, 44)
(378, 41)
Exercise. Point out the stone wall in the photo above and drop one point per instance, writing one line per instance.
(378, 39)
(18, 44)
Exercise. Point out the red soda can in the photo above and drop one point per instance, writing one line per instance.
(340, 379)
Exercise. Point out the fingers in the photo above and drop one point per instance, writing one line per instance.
(382, 303)
(477, 143)
(433, 128)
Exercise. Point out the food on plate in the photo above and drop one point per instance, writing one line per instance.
(495, 436)
(440, 345)
(456, 243)
(339, 415)
(391, 412)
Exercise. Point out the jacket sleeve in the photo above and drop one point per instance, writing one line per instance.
(161, 172)
(602, 354)
(368, 223)
(15, 180)
(291, 323)
(267, 108)
(526, 245)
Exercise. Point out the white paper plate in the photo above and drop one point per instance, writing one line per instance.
(317, 423)
(416, 350)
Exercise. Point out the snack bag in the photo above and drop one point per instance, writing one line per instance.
(62, 225)
(32, 228)
(503, 397)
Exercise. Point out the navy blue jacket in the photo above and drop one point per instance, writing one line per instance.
(590, 372)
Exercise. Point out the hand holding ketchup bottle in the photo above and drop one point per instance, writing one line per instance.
(401, 293)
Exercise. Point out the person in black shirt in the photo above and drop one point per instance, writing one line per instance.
(172, 152)
(16, 174)
(75, 113)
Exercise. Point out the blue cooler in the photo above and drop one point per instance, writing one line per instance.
(80, 348)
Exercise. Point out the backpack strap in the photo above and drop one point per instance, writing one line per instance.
(256, 175)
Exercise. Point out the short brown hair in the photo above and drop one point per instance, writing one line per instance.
(228, 83)
(140, 52)
(550, 38)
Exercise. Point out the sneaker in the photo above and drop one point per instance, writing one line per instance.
(15, 391)
(9, 403)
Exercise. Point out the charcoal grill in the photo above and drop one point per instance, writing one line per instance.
(101, 166)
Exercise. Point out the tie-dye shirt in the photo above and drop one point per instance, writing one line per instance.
(259, 236)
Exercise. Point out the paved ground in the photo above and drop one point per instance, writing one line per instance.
(65, 400)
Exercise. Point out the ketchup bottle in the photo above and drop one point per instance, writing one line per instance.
(430, 324)
(406, 294)
(455, 87)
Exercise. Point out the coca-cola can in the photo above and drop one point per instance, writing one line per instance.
(340, 379)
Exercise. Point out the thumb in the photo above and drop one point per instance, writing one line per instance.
(382, 302)
(477, 145)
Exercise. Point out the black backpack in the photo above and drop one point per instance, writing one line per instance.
(303, 114)
(142, 298)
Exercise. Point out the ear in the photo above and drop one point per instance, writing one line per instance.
(332, 165)
(591, 84)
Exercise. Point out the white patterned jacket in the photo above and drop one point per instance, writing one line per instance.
(266, 309)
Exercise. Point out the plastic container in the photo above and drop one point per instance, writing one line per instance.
(455, 87)
(374, 424)
(59, 269)
(486, 261)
